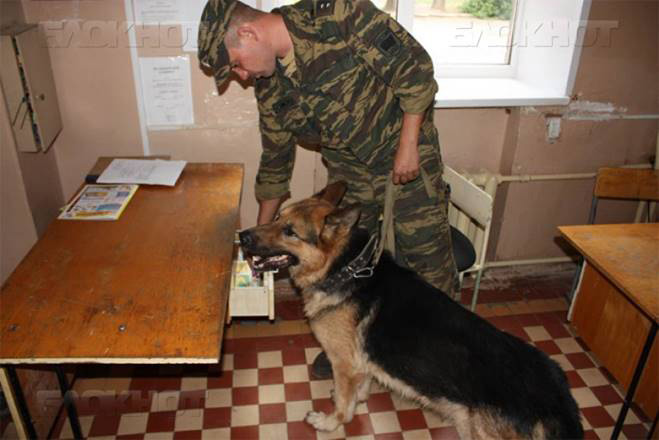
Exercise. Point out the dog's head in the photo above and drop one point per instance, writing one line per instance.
(306, 236)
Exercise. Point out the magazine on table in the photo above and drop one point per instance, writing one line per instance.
(99, 202)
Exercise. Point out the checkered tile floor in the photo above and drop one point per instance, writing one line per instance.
(262, 390)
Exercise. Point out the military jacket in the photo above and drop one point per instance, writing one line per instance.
(358, 70)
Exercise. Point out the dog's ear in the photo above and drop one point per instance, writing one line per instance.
(333, 192)
(345, 217)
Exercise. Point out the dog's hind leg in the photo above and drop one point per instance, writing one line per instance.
(346, 386)
(364, 390)
(458, 415)
(463, 424)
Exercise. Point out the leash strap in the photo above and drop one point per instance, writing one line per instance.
(387, 236)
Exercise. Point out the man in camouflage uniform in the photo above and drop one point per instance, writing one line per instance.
(343, 75)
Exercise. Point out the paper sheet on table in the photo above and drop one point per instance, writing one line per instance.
(148, 172)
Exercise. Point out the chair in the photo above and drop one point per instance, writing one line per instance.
(640, 184)
(470, 217)
(625, 184)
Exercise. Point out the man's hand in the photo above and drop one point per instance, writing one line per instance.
(406, 162)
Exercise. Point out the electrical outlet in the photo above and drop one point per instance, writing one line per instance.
(553, 128)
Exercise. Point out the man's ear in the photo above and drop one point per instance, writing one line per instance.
(246, 31)
(333, 193)
(345, 217)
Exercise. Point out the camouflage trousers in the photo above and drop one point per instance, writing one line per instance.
(423, 239)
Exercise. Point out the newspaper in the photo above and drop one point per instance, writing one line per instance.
(148, 172)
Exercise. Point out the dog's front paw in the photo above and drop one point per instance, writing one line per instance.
(321, 421)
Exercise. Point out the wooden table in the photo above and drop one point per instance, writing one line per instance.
(616, 307)
(151, 287)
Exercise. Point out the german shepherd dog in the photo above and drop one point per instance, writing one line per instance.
(385, 322)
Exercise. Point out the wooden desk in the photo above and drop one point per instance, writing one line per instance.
(151, 287)
(615, 310)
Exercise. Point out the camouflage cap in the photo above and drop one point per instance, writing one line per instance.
(213, 26)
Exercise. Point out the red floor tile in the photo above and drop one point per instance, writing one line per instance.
(550, 318)
(300, 430)
(380, 402)
(389, 436)
(635, 431)
(411, 419)
(289, 310)
(272, 413)
(359, 425)
(324, 405)
(526, 320)
(606, 394)
(161, 421)
(580, 360)
(297, 391)
(130, 437)
(217, 418)
(242, 361)
(293, 356)
(187, 435)
(105, 425)
(557, 330)
(598, 417)
(245, 395)
(270, 376)
(224, 380)
(549, 347)
(245, 433)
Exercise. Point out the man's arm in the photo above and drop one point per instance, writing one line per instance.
(277, 158)
(406, 162)
(268, 209)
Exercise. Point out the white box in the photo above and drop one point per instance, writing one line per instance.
(251, 300)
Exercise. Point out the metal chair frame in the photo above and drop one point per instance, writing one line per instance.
(470, 211)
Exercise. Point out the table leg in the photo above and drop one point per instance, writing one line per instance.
(654, 426)
(69, 403)
(635, 380)
(20, 413)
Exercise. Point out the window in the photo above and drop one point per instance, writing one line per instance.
(463, 32)
(499, 52)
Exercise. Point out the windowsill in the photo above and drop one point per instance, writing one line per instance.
(493, 92)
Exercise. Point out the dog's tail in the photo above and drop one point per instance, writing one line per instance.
(565, 422)
(566, 426)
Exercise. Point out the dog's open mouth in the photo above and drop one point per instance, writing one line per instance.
(272, 262)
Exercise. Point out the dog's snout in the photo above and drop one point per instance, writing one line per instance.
(246, 238)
